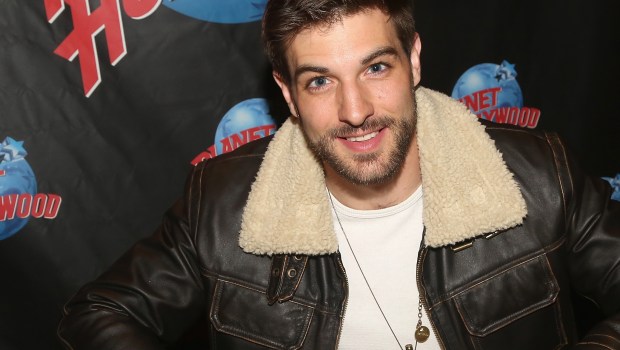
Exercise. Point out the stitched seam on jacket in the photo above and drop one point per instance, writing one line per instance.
(568, 173)
(595, 343)
(193, 222)
(498, 271)
(296, 300)
(518, 131)
(604, 336)
(233, 158)
(553, 141)
(545, 250)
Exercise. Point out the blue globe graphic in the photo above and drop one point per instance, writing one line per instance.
(615, 185)
(18, 178)
(488, 75)
(220, 11)
(244, 115)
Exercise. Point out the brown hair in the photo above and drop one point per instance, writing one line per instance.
(284, 19)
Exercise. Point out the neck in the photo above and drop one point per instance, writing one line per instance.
(378, 196)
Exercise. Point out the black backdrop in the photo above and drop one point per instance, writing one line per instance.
(114, 161)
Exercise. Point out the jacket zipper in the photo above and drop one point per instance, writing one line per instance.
(422, 295)
(346, 299)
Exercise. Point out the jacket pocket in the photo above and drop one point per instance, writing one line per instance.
(518, 304)
(243, 312)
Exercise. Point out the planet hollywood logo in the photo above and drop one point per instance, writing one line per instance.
(19, 200)
(492, 92)
(247, 121)
(86, 24)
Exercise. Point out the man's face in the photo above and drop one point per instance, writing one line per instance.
(352, 88)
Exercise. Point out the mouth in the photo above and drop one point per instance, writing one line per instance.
(362, 138)
(368, 142)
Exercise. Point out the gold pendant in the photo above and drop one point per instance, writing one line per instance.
(421, 334)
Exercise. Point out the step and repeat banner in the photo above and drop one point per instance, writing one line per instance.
(105, 105)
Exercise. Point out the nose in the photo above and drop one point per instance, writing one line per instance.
(355, 105)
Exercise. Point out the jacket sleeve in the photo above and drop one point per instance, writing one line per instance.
(148, 298)
(593, 247)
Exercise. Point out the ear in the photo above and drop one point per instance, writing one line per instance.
(286, 92)
(416, 67)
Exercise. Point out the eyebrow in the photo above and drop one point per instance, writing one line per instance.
(304, 68)
(387, 50)
(308, 68)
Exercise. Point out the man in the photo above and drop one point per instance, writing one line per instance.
(382, 215)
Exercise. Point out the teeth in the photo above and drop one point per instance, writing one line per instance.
(363, 138)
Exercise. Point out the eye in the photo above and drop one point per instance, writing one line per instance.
(318, 84)
(377, 68)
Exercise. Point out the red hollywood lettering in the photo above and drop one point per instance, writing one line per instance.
(535, 118)
(7, 206)
(513, 116)
(501, 114)
(25, 205)
(526, 117)
(24, 202)
(52, 206)
(38, 205)
(488, 115)
(530, 117)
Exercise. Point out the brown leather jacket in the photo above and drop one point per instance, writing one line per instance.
(505, 289)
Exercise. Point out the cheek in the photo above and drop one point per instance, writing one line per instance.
(392, 94)
(392, 103)
(403, 98)
(381, 93)
(317, 115)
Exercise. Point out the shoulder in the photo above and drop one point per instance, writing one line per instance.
(254, 149)
(538, 160)
(247, 158)
(523, 145)
(235, 169)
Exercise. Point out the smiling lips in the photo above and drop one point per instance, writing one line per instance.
(363, 137)
(364, 143)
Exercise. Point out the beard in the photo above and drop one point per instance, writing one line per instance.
(370, 168)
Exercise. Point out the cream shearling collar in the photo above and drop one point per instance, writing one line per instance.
(288, 209)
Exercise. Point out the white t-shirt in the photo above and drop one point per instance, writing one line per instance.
(386, 243)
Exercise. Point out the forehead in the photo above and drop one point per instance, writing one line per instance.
(349, 39)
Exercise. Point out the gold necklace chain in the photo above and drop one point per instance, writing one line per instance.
(422, 332)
